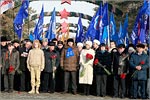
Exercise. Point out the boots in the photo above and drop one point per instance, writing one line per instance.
(37, 90)
(32, 90)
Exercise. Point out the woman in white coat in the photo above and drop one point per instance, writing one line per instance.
(86, 67)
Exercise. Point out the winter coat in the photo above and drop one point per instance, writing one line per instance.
(104, 59)
(87, 77)
(48, 60)
(135, 60)
(36, 58)
(71, 63)
(120, 64)
(13, 60)
(23, 58)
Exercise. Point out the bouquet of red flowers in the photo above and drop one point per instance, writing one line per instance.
(141, 63)
(11, 69)
(53, 57)
(123, 76)
(88, 57)
(96, 62)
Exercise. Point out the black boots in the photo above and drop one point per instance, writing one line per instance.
(86, 89)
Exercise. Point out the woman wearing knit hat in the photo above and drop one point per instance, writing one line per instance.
(86, 67)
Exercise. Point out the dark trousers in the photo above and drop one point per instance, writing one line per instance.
(67, 80)
(48, 82)
(25, 81)
(101, 84)
(8, 81)
(119, 82)
(59, 80)
(136, 84)
(86, 89)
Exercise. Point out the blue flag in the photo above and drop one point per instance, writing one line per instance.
(22, 14)
(112, 27)
(39, 26)
(120, 38)
(31, 36)
(125, 27)
(93, 29)
(136, 28)
(52, 27)
(105, 36)
(142, 36)
(79, 34)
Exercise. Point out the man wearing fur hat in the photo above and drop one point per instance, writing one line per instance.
(69, 62)
(139, 61)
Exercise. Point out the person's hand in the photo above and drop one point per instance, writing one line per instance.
(54, 68)
(138, 67)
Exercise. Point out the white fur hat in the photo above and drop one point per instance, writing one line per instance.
(89, 43)
(96, 41)
(79, 44)
(131, 49)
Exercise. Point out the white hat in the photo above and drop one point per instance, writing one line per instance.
(89, 43)
(80, 44)
(131, 49)
(96, 41)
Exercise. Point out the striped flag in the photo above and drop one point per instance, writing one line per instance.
(5, 5)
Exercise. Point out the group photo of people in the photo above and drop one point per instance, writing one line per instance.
(89, 49)
(88, 68)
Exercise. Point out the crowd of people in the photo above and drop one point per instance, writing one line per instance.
(85, 68)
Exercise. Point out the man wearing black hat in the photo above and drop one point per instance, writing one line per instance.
(139, 62)
(69, 61)
(51, 63)
(59, 72)
(16, 44)
(104, 58)
(10, 63)
(120, 69)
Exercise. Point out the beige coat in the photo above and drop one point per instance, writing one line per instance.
(36, 58)
(87, 78)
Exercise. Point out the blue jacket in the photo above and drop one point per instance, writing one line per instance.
(135, 60)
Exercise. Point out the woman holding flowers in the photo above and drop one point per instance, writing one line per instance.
(139, 62)
(86, 67)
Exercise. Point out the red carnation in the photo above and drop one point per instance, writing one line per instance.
(53, 56)
(11, 68)
(95, 61)
(142, 62)
(123, 76)
(89, 56)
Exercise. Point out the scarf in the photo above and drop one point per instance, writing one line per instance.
(69, 53)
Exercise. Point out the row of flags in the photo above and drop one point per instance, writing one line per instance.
(102, 27)
(38, 31)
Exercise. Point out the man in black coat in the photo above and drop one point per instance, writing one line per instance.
(23, 71)
(3, 45)
(59, 71)
(52, 60)
(104, 58)
(120, 69)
